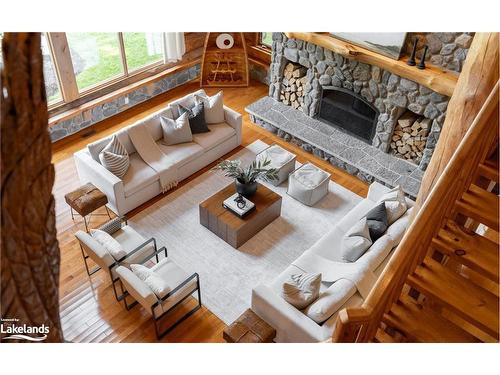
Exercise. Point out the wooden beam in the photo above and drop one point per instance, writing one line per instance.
(64, 66)
(478, 77)
(432, 77)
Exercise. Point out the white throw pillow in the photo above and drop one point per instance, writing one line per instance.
(176, 131)
(213, 106)
(155, 282)
(302, 289)
(397, 230)
(108, 243)
(395, 204)
(330, 301)
(356, 241)
(114, 158)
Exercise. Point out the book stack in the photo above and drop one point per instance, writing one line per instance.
(241, 211)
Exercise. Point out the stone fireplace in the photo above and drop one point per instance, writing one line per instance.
(362, 108)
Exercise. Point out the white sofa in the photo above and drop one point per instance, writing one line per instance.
(293, 325)
(141, 182)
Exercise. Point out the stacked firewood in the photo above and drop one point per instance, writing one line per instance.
(292, 88)
(410, 136)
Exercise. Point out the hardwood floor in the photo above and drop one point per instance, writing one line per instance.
(89, 311)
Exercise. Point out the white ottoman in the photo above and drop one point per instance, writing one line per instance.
(308, 184)
(281, 159)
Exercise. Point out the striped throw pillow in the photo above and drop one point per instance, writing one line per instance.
(114, 158)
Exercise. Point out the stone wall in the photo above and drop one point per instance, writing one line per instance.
(100, 112)
(447, 50)
(389, 93)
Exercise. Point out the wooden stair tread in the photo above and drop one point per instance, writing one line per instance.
(480, 205)
(458, 294)
(420, 324)
(469, 248)
(489, 170)
(383, 337)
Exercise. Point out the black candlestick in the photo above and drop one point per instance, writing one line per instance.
(421, 64)
(411, 61)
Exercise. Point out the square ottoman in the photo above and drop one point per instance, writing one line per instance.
(281, 159)
(308, 184)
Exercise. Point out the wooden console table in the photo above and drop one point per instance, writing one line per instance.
(232, 229)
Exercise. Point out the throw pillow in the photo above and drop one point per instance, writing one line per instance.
(356, 241)
(155, 282)
(196, 117)
(108, 243)
(214, 107)
(176, 131)
(114, 158)
(395, 204)
(302, 289)
(377, 221)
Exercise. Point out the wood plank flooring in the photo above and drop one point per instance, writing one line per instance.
(89, 311)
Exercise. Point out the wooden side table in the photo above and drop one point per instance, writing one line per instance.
(85, 200)
(249, 328)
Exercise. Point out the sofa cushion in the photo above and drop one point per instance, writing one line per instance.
(395, 204)
(196, 116)
(213, 106)
(152, 122)
(330, 300)
(377, 221)
(300, 290)
(356, 241)
(376, 254)
(176, 131)
(397, 230)
(218, 134)
(138, 176)
(182, 153)
(95, 148)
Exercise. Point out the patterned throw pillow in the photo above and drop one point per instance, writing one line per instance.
(302, 289)
(115, 158)
(214, 107)
(196, 117)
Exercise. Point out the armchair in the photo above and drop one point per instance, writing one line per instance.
(132, 242)
(181, 284)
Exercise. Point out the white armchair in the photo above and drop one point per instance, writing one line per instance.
(136, 247)
(181, 285)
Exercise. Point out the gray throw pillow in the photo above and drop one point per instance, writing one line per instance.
(176, 131)
(302, 289)
(377, 221)
(356, 241)
(196, 117)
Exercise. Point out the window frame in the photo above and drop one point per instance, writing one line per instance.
(63, 65)
(261, 42)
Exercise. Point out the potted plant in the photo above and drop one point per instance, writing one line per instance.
(246, 177)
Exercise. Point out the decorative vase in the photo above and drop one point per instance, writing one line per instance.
(246, 190)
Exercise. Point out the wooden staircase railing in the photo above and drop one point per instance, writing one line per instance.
(361, 324)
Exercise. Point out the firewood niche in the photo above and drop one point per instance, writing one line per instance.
(224, 67)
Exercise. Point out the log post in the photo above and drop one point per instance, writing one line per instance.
(479, 75)
(30, 252)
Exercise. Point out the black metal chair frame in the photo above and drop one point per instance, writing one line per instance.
(93, 213)
(157, 318)
(119, 261)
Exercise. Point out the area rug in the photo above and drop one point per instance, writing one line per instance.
(228, 275)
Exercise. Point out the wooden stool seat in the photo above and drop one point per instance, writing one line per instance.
(249, 328)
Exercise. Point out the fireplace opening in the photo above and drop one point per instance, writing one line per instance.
(349, 111)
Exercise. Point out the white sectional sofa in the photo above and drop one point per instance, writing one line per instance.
(293, 325)
(141, 182)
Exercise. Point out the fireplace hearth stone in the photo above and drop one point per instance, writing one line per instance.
(341, 149)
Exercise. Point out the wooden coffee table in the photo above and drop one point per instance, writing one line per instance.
(232, 229)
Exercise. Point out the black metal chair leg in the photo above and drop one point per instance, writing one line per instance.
(107, 211)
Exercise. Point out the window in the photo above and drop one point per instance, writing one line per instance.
(52, 87)
(266, 39)
(96, 58)
(142, 49)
